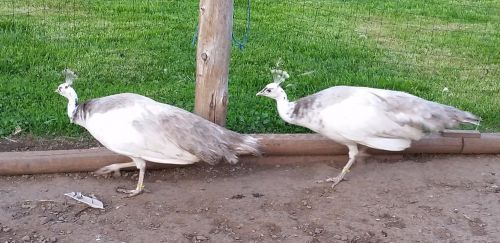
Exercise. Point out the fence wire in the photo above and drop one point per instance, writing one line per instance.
(420, 33)
(145, 46)
(319, 20)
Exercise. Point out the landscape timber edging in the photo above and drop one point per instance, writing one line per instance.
(276, 148)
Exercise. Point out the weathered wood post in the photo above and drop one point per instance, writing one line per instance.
(212, 59)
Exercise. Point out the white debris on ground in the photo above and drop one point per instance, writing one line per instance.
(91, 201)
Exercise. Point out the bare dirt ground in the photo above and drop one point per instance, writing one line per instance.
(417, 199)
(31, 143)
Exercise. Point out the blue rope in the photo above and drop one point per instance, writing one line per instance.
(241, 44)
(195, 35)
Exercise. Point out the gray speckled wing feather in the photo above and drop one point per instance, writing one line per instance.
(206, 140)
(309, 105)
(105, 104)
(413, 111)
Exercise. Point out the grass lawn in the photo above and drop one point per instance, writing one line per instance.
(145, 47)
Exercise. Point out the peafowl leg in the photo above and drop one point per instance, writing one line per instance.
(353, 151)
(141, 165)
(115, 168)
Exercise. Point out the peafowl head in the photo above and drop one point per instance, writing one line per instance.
(65, 89)
(274, 90)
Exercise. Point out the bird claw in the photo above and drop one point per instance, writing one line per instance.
(108, 169)
(335, 180)
(130, 193)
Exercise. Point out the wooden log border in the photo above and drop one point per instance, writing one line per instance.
(278, 149)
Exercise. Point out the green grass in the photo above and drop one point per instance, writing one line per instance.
(145, 47)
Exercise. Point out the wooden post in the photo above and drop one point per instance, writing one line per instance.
(212, 59)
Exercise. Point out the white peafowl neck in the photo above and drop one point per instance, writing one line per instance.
(284, 106)
(72, 102)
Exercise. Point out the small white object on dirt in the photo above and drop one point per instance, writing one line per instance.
(93, 202)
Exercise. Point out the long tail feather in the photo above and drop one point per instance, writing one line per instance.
(249, 145)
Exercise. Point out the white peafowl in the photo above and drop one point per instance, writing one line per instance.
(376, 118)
(145, 130)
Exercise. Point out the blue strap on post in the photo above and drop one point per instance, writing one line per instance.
(241, 44)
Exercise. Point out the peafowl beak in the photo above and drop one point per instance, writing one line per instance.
(261, 93)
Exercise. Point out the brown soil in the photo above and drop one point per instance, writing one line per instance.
(418, 199)
(31, 143)
(448, 199)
